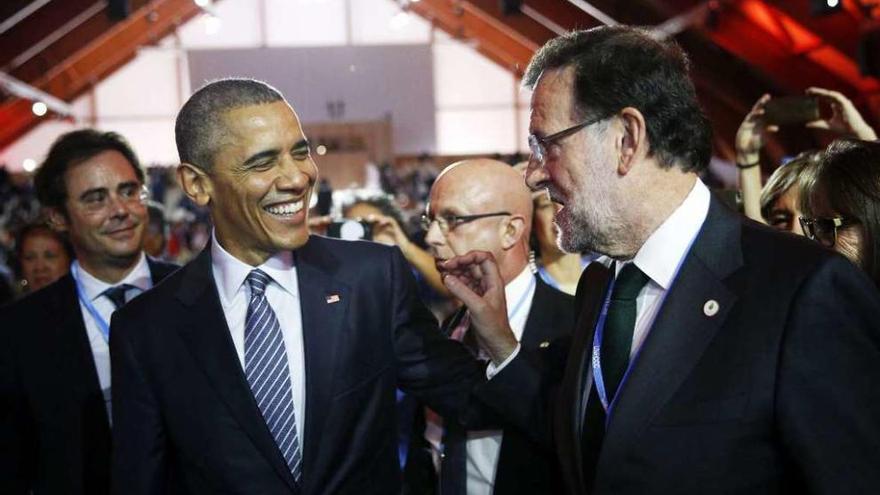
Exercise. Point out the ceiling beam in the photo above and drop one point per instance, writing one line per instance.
(102, 54)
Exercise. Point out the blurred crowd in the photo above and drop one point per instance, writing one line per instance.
(825, 194)
(749, 338)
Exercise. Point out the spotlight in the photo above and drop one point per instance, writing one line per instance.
(321, 149)
(825, 7)
(39, 108)
(29, 164)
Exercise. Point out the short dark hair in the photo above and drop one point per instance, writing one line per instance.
(199, 128)
(624, 66)
(34, 229)
(71, 149)
(783, 178)
(847, 174)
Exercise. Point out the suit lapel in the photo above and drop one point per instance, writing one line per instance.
(541, 324)
(591, 291)
(681, 331)
(205, 331)
(324, 302)
(70, 334)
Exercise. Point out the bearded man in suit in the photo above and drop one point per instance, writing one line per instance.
(711, 354)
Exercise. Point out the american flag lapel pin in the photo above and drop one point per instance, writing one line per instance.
(332, 298)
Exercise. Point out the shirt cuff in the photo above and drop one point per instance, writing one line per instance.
(493, 370)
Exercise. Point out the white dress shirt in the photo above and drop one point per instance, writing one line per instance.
(230, 275)
(93, 290)
(484, 446)
(661, 256)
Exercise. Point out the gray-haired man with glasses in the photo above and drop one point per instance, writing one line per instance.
(55, 361)
(711, 354)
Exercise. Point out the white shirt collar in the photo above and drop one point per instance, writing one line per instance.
(663, 252)
(230, 272)
(139, 277)
(517, 288)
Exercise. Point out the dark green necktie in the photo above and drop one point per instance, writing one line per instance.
(616, 344)
(619, 326)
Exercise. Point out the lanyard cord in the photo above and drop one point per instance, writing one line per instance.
(101, 323)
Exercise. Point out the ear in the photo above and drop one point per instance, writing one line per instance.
(57, 219)
(196, 183)
(633, 141)
(513, 230)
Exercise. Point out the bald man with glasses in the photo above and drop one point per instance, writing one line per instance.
(485, 205)
(55, 417)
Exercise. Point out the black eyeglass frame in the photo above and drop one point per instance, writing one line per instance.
(538, 145)
(808, 225)
(453, 221)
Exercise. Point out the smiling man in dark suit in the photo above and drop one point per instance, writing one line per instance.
(269, 364)
(484, 204)
(55, 385)
(712, 354)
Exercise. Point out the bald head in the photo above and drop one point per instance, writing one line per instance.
(489, 183)
(481, 187)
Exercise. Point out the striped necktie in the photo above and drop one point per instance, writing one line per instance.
(265, 362)
(116, 295)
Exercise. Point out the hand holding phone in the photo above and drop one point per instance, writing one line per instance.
(789, 110)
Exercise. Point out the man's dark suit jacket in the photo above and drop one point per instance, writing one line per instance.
(54, 430)
(775, 393)
(524, 466)
(184, 414)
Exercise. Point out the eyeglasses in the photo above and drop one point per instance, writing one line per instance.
(824, 230)
(100, 199)
(538, 145)
(449, 222)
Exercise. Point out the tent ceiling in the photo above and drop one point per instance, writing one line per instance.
(740, 48)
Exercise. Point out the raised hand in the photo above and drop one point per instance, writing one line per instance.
(475, 280)
(845, 118)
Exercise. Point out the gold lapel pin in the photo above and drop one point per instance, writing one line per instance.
(332, 298)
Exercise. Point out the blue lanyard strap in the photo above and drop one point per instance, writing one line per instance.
(101, 323)
(596, 359)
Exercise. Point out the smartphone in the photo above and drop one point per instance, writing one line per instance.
(350, 230)
(791, 110)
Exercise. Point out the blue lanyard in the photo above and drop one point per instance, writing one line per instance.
(102, 324)
(597, 350)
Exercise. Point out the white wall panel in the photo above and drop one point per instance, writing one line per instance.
(465, 78)
(146, 86)
(378, 22)
(151, 139)
(305, 22)
(476, 131)
(239, 26)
